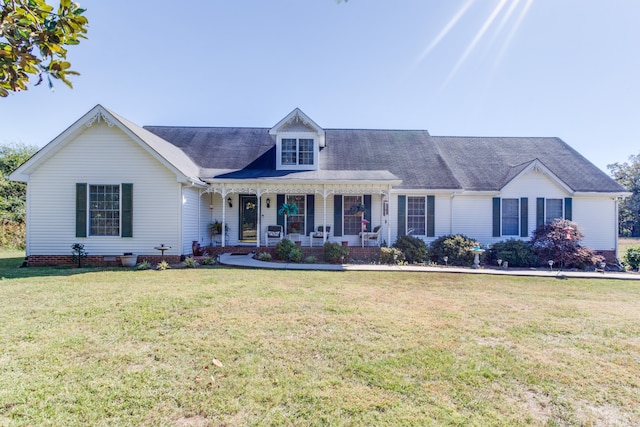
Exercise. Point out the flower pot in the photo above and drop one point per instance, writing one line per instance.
(345, 243)
(298, 242)
(129, 260)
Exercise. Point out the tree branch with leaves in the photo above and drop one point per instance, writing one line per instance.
(33, 39)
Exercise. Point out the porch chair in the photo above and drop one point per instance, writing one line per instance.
(319, 234)
(274, 232)
(371, 237)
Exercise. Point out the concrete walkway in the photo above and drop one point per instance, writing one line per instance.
(247, 261)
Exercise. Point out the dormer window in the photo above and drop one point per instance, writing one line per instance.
(297, 151)
(298, 142)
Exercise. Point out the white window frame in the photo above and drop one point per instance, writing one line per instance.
(346, 213)
(297, 217)
(410, 225)
(90, 210)
(299, 153)
(502, 217)
(547, 218)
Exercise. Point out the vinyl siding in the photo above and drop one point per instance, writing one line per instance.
(190, 219)
(103, 155)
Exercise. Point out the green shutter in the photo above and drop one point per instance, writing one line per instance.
(127, 210)
(368, 215)
(524, 217)
(337, 215)
(496, 217)
(539, 211)
(431, 216)
(568, 209)
(402, 215)
(81, 210)
(310, 213)
(279, 203)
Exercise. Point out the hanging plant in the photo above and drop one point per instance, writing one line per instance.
(358, 209)
(288, 209)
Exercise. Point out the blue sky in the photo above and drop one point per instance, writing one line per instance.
(565, 68)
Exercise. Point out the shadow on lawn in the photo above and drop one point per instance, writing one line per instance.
(10, 268)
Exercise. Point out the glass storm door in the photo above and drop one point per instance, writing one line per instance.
(248, 218)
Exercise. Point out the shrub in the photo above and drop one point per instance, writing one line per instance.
(190, 262)
(391, 256)
(144, 265)
(334, 253)
(310, 260)
(288, 251)
(559, 241)
(283, 249)
(456, 247)
(265, 256)
(632, 256)
(413, 248)
(163, 265)
(207, 260)
(517, 253)
(12, 234)
(296, 254)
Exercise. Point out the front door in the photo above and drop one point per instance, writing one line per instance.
(248, 218)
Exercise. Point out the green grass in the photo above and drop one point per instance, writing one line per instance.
(120, 347)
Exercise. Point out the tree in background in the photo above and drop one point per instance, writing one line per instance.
(627, 174)
(13, 195)
(33, 39)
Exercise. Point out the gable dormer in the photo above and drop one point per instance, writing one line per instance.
(298, 142)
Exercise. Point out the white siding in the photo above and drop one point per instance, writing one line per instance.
(190, 218)
(596, 216)
(103, 155)
(473, 217)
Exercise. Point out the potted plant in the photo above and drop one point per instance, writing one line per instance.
(358, 209)
(216, 228)
(129, 259)
(287, 209)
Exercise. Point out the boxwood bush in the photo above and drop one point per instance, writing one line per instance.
(632, 257)
(413, 248)
(517, 253)
(457, 247)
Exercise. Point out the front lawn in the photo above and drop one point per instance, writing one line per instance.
(232, 347)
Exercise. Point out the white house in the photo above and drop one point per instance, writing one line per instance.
(117, 187)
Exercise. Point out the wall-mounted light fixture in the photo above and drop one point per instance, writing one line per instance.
(229, 202)
(268, 202)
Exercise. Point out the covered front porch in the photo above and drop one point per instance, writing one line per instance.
(245, 211)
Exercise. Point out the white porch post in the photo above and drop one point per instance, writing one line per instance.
(223, 233)
(324, 217)
(259, 219)
(389, 220)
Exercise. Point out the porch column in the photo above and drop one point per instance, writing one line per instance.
(389, 218)
(223, 193)
(324, 215)
(259, 219)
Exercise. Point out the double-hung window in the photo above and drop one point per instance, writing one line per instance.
(297, 152)
(104, 210)
(510, 217)
(296, 222)
(416, 215)
(352, 219)
(553, 210)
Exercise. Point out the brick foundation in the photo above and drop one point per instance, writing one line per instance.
(356, 253)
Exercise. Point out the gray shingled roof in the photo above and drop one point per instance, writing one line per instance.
(420, 160)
